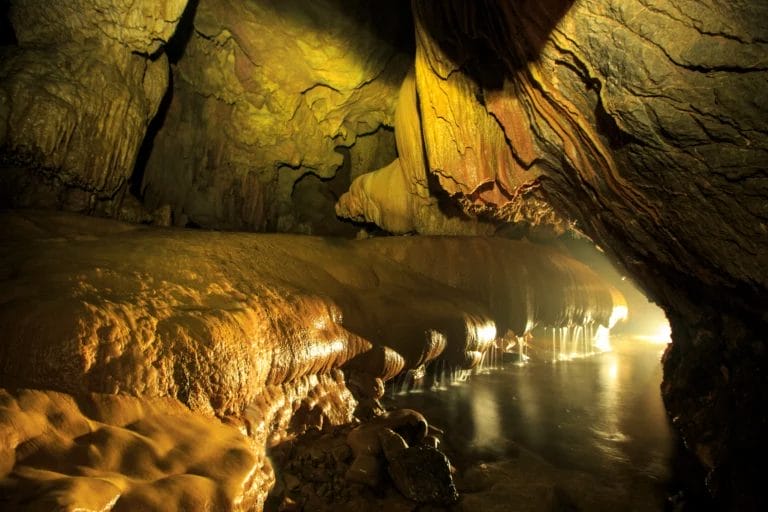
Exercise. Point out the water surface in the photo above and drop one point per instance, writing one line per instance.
(602, 415)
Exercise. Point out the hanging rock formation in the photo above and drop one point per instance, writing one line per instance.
(399, 197)
(267, 93)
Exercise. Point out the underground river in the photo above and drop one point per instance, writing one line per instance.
(600, 418)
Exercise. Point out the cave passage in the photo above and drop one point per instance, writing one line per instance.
(383, 193)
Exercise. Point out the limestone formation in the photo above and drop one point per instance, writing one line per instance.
(76, 96)
(266, 93)
(398, 197)
(213, 318)
(640, 124)
(254, 329)
(114, 452)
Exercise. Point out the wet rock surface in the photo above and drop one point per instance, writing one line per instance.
(641, 124)
(254, 331)
(340, 469)
(215, 318)
(422, 474)
(313, 474)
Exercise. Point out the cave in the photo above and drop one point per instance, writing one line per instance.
(245, 244)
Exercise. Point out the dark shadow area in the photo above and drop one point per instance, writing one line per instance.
(313, 199)
(142, 158)
(394, 24)
(342, 180)
(174, 49)
(7, 34)
(445, 203)
(606, 125)
(176, 45)
(687, 492)
(490, 39)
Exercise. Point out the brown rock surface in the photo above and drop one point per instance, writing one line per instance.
(399, 197)
(76, 96)
(592, 121)
(251, 328)
(98, 310)
(102, 452)
(641, 124)
(213, 318)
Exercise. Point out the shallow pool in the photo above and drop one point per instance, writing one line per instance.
(601, 415)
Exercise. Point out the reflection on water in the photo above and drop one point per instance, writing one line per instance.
(602, 415)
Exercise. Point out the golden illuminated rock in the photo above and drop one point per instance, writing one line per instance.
(266, 93)
(141, 323)
(466, 145)
(114, 452)
(142, 26)
(209, 320)
(641, 124)
(214, 318)
(398, 197)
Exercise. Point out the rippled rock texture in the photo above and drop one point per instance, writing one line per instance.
(211, 318)
(114, 452)
(252, 329)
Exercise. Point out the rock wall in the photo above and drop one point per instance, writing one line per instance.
(247, 131)
(77, 92)
(265, 94)
(643, 123)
